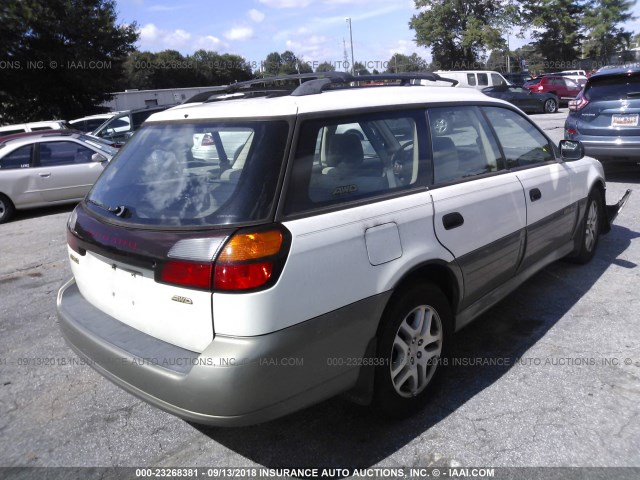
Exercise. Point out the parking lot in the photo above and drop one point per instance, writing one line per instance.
(549, 377)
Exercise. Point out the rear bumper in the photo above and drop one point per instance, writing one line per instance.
(235, 381)
(618, 148)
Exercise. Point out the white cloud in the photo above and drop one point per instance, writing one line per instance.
(239, 33)
(153, 39)
(313, 49)
(256, 15)
(286, 3)
(166, 8)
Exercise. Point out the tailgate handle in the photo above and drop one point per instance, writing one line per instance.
(452, 220)
(535, 194)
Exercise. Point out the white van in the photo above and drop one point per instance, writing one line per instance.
(474, 78)
(33, 127)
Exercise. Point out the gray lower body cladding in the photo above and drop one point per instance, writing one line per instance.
(235, 381)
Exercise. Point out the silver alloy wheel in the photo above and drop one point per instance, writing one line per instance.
(591, 227)
(416, 350)
(550, 106)
(3, 208)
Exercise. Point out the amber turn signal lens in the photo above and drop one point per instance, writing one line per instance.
(251, 246)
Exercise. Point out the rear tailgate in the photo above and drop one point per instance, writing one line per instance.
(122, 282)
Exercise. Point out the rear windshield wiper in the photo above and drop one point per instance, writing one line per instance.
(119, 211)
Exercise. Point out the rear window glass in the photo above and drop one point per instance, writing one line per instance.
(202, 174)
(613, 88)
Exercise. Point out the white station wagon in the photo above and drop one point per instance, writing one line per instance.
(338, 250)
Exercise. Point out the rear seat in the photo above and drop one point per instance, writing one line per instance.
(343, 173)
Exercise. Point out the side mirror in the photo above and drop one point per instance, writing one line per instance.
(571, 150)
(98, 158)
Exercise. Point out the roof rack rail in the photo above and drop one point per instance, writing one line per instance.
(315, 83)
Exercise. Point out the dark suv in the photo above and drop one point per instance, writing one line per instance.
(564, 88)
(604, 117)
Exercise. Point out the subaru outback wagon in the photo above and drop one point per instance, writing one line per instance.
(337, 250)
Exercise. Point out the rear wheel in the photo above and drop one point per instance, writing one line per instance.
(6, 208)
(550, 106)
(590, 229)
(413, 340)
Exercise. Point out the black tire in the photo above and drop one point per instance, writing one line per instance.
(591, 226)
(550, 106)
(7, 208)
(404, 379)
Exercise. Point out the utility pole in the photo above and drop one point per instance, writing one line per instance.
(353, 66)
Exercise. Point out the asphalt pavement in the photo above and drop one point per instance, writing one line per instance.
(549, 377)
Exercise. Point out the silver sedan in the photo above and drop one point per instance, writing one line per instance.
(40, 169)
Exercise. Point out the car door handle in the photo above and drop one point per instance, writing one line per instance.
(535, 194)
(452, 220)
(45, 175)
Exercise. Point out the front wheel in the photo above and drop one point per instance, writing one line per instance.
(413, 340)
(550, 106)
(590, 229)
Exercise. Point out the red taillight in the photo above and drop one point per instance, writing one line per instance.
(581, 102)
(243, 276)
(207, 140)
(540, 88)
(248, 260)
(187, 274)
(72, 241)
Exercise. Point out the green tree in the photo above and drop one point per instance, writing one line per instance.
(360, 69)
(64, 56)
(400, 63)
(325, 67)
(284, 63)
(557, 30)
(459, 32)
(605, 36)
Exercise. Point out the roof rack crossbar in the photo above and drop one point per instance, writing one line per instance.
(316, 83)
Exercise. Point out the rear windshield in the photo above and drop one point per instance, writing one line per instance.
(616, 87)
(203, 174)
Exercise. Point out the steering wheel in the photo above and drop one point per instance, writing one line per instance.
(401, 157)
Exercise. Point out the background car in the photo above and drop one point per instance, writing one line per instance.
(33, 127)
(527, 100)
(517, 79)
(120, 127)
(39, 169)
(564, 88)
(604, 116)
(91, 122)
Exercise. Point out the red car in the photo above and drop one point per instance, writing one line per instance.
(564, 88)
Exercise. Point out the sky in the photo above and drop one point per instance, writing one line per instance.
(315, 30)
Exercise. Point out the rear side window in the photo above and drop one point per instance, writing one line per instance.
(522, 143)
(483, 79)
(496, 79)
(465, 148)
(54, 154)
(19, 158)
(471, 79)
(168, 176)
(358, 157)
